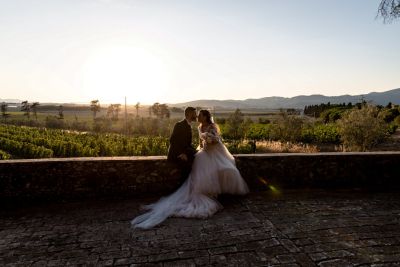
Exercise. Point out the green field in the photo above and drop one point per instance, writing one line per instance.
(31, 142)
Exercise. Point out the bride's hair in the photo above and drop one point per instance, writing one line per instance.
(209, 118)
(207, 115)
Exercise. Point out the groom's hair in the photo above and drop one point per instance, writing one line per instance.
(188, 110)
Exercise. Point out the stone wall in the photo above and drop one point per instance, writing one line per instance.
(86, 177)
(323, 170)
(130, 176)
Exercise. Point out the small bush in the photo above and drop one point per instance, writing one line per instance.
(389, 115)
(79, 125)
(54, 122)
(220, 120)
(263, 120)
(102, 125)
(240, 148)
(397, 121)
(4, 155)
(392, 128)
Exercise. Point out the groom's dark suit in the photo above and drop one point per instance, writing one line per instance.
(181, 143)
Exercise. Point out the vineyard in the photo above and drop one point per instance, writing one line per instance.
(359, 129)
(29, 142)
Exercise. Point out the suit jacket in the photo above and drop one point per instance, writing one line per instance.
(181, 142)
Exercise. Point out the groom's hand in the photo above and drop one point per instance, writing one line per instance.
(183, 157)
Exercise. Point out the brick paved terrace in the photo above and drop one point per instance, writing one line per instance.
(325, 209)
(273, 228)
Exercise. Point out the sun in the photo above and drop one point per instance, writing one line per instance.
(113, 72)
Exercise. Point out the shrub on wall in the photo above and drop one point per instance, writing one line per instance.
(4, 155)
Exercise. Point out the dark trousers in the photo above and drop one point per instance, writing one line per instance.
(185, 168)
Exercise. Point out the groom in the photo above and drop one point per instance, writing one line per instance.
(181, 152)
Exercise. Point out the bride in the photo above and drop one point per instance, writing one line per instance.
(213, 172)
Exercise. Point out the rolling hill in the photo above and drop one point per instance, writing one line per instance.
(275, 102)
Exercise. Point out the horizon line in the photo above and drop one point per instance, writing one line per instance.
(194, 100)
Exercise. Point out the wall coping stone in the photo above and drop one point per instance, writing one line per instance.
(123, 158)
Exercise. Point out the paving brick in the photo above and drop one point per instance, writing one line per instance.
(317, 228)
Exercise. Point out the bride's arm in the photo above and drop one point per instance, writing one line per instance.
(201, 138)
(215, 136)
(211, 136)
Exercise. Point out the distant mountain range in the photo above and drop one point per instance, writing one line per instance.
(10, 100)
(276, 102)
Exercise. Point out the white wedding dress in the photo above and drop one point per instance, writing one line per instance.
(213, 172)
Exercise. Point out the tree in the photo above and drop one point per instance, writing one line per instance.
(287, 128)
(113, 111)
(164, 111)
(389, 10)
(361, 129)
(4, 113)
(137, 108)
(25, 106)
(234, 126)
(61, 112)
(94, 107)
(34, 108)
(160, 110)
(110, 111)
(155, 109)
(117, 109)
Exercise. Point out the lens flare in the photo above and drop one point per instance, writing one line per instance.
(270, 186)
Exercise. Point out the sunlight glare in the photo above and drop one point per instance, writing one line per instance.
(112, 72)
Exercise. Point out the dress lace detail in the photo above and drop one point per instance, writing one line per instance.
(213, 172)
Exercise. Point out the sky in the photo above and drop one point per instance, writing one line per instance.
(175, 51)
